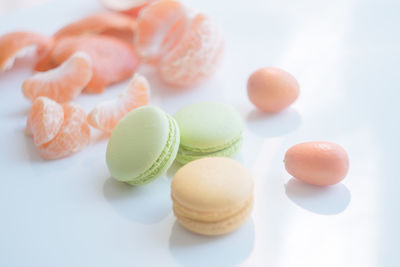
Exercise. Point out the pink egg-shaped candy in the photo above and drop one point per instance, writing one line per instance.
(317, 163)
(272, 89)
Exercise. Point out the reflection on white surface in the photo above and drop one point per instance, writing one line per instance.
(321, 200)
(190, 249)
(273, 125)
(147, 204)
(30, 148)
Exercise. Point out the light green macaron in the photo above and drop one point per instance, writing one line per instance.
(142, 146)
(208, 129)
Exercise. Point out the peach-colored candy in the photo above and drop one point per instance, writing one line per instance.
(195, 56)
(113, 60)
(103, 23)
(272, 89)
(317, 163)
(16, 44)
(159, 26)
(73, 136)
(63, 83)
(44, 120)
(131, 7)
(106, 115)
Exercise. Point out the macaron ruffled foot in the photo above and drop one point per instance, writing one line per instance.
(208, 129)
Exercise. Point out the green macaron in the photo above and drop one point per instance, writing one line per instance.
(142, 146)
(208, 129)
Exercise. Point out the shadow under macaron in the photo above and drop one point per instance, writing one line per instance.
(173, 169)
(190, 249)
(146, 204)
(328, 200)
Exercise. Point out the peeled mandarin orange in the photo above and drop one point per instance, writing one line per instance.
(159, 25)
(110, 23)
(106, 115)
(113, 60)
(44, 120)
(17, 44)
(63, 83)
(130, 7)
(73, 136)
(195, 56)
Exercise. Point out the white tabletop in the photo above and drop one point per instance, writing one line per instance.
(346, 57)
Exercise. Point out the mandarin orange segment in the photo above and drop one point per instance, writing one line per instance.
(113, 60)
(73, 136)
(159, 26)
(108, 23)
(44, 120)
(16, 44)
(195, 56)
(106, 115)
(63, 83)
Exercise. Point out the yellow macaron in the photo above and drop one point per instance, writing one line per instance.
(212, 196)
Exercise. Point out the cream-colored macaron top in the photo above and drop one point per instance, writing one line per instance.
(212, 184)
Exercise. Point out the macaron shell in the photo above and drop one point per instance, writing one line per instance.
(212, 185)
(219, 227)
(208, 125)
(137, 142)
(165, 160)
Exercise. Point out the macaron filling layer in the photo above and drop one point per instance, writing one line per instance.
(162, 161)
(219, 227)
(214, 148)
(208, 216)
(187, 154)
(208, 129)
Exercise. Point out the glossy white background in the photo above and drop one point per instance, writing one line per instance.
(346, 57)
